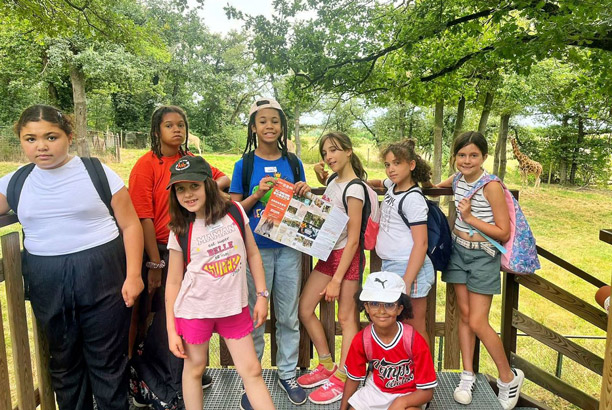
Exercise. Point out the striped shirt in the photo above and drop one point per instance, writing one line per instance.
(481, 208)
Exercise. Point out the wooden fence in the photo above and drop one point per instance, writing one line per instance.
(29, 396)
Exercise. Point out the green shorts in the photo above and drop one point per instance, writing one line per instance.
(475, 268)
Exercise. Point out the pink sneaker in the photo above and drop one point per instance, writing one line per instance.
(330, 392)
(316, 377)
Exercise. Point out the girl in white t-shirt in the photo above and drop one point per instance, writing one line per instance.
(206, 288)
(338, 277)
(81, 265)
(402, 237)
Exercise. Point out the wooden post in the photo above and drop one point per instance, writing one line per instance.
(42, 355)
(305, 349)
(11, 261)
(430, 316)
(510, 299)
(605, 401)
(451, 330)
(327, 311)
(5, 388)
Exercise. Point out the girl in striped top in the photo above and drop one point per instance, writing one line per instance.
(474, 267)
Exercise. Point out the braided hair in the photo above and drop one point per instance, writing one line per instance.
(156, 120)
(252, 136)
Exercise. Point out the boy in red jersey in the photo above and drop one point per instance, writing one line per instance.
(402, 372)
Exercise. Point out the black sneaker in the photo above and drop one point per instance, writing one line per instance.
(206, 381)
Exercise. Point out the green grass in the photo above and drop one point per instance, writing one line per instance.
(565, 221)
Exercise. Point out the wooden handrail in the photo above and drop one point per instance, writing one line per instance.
(569, 267)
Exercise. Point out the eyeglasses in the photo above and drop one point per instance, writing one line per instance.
(388, 306)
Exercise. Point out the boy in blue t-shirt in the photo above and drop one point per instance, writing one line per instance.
(266, 160)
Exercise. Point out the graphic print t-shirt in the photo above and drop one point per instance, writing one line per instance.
(215, 283)
(394, 371)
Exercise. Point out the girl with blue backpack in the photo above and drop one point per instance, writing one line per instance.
(474, 266)
(402, 236)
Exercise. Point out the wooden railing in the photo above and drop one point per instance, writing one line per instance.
(28, 396)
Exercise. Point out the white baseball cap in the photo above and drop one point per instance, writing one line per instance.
(262, 103)
(382, 287)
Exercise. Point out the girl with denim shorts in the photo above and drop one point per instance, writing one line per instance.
(402, 238)
(206, 289)
(474, 267)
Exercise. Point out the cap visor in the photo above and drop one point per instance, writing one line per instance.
(186, 178)
(389, 296)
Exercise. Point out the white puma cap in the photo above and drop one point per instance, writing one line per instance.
(382, 287)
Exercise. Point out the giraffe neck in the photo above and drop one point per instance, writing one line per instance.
(520, 157)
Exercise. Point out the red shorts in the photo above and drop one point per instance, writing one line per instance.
(198, 331)
(329, 267)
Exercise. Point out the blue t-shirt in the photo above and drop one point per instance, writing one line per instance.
(262, 168)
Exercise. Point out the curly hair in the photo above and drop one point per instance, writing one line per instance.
(404, 151)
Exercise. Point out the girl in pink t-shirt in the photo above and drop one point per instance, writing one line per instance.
(206, 289)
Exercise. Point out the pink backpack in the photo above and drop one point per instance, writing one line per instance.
(407, 339)
(519, 254)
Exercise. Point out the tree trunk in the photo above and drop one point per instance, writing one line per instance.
(77, 78)
(438, 126)
(296, 130)
(456, 132)
(563, 159)
(572, 178)
(499, 161)
(402, 120)
(486, 110)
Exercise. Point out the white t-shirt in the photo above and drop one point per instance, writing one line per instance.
(334, 192)
(394, 240)
(60, 210)
(215, 283)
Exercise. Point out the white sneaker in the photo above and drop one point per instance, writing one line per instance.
(509, 392)
(463, 392)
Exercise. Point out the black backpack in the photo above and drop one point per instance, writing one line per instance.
(94, 169)
(184, 239)
(439, 241)
(248, 160)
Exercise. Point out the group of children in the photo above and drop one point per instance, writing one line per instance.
(85, 269)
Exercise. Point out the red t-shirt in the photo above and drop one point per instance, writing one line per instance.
(394, 371)
(148, 181)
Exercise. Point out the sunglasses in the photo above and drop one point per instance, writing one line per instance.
(388, 306)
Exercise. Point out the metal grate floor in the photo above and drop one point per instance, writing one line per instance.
(224, 394)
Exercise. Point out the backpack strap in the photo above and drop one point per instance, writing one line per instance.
(408, 338)
(15, 185)
(294, 163)
(184, 240)
(248, 160)
(364, 218)
(400, 206)
(100, 181)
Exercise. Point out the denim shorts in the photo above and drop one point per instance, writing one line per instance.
(475, 268)
(424, 280)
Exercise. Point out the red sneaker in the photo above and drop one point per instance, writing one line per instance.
(330, 392)
(316, 377)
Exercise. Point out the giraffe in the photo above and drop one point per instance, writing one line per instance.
(526, 165)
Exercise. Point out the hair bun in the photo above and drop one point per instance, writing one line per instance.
(409, 143)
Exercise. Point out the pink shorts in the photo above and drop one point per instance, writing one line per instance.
(198, 331)
(329, 267)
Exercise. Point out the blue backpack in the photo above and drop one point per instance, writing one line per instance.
(439, 241)
(519, 254)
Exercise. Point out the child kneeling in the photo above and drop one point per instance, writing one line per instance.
(403, 375)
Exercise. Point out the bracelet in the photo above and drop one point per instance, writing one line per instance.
(153, 265)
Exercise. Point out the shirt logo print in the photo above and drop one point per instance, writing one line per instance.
(222, 267)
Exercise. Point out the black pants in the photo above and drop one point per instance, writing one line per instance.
(157, 366)
(77, 300)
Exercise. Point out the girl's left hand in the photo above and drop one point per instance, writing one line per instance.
(301, 188)
(331, 291)
(260, 311)
(132, 287)
(465, 207)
